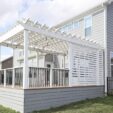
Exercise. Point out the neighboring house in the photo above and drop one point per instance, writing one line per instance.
(71, 61)
(7, 63)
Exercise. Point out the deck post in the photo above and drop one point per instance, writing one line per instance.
(37, 59)
(64, 61)
(4, 77)
(25, 65)
(70, 63)
(51, 77)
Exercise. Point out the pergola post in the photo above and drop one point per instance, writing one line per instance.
(70, 63)
(64, 61)
(25, 65)
(4, 77)
(13, 81)
(37, 59)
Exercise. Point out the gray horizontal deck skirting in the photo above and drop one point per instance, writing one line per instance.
(26, 101)
(12, 98)
(54, 97)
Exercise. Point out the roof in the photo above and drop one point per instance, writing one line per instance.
(42, 38)
(11, 57)
(96, 8)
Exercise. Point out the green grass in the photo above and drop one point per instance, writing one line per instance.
(6, 110)
(98, 105)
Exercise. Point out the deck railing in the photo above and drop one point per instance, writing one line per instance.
(12, 77)
(18, 77)
(9, 77)
(46, 77)
(38, 77)
(60, 77)
(1, 77)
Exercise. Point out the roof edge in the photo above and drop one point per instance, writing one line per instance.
(7, 58)
(100, 6)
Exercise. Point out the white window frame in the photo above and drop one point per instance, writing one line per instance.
(78, 25)
(70, 26)
(89, 16)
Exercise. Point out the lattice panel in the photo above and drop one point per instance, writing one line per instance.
(87, 66)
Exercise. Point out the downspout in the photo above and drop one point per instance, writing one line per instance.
(105, 47)
(105, 4)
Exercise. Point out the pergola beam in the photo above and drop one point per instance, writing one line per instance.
(33, 49)
(11, 33)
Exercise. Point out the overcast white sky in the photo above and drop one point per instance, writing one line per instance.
(48, 12)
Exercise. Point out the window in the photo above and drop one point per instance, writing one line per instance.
(64, 29)
(88, 26)
(70, 26)
(76, 25)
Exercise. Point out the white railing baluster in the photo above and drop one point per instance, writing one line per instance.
(51, 78)
(4, 77)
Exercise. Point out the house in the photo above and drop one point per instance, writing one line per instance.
(95, 25)
(55, 66)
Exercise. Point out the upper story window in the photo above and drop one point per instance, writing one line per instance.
(64, 29)
(88, 26)
(69, 27)
(76, 25)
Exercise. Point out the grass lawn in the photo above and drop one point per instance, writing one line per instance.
(99, 105)
(6, 110)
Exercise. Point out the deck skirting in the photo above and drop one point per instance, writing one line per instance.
(29, 100)
(12, 98)
(48, 98)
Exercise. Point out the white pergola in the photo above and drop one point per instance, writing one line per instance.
(29, 35)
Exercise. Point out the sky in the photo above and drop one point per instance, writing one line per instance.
(49, 12)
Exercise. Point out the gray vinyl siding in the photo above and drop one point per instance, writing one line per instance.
(12, 98)
(28, 100)
(97, 26)
(48, 98)
(109, 34)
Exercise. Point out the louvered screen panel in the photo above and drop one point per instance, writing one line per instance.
(87, 66)
(101, 67)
